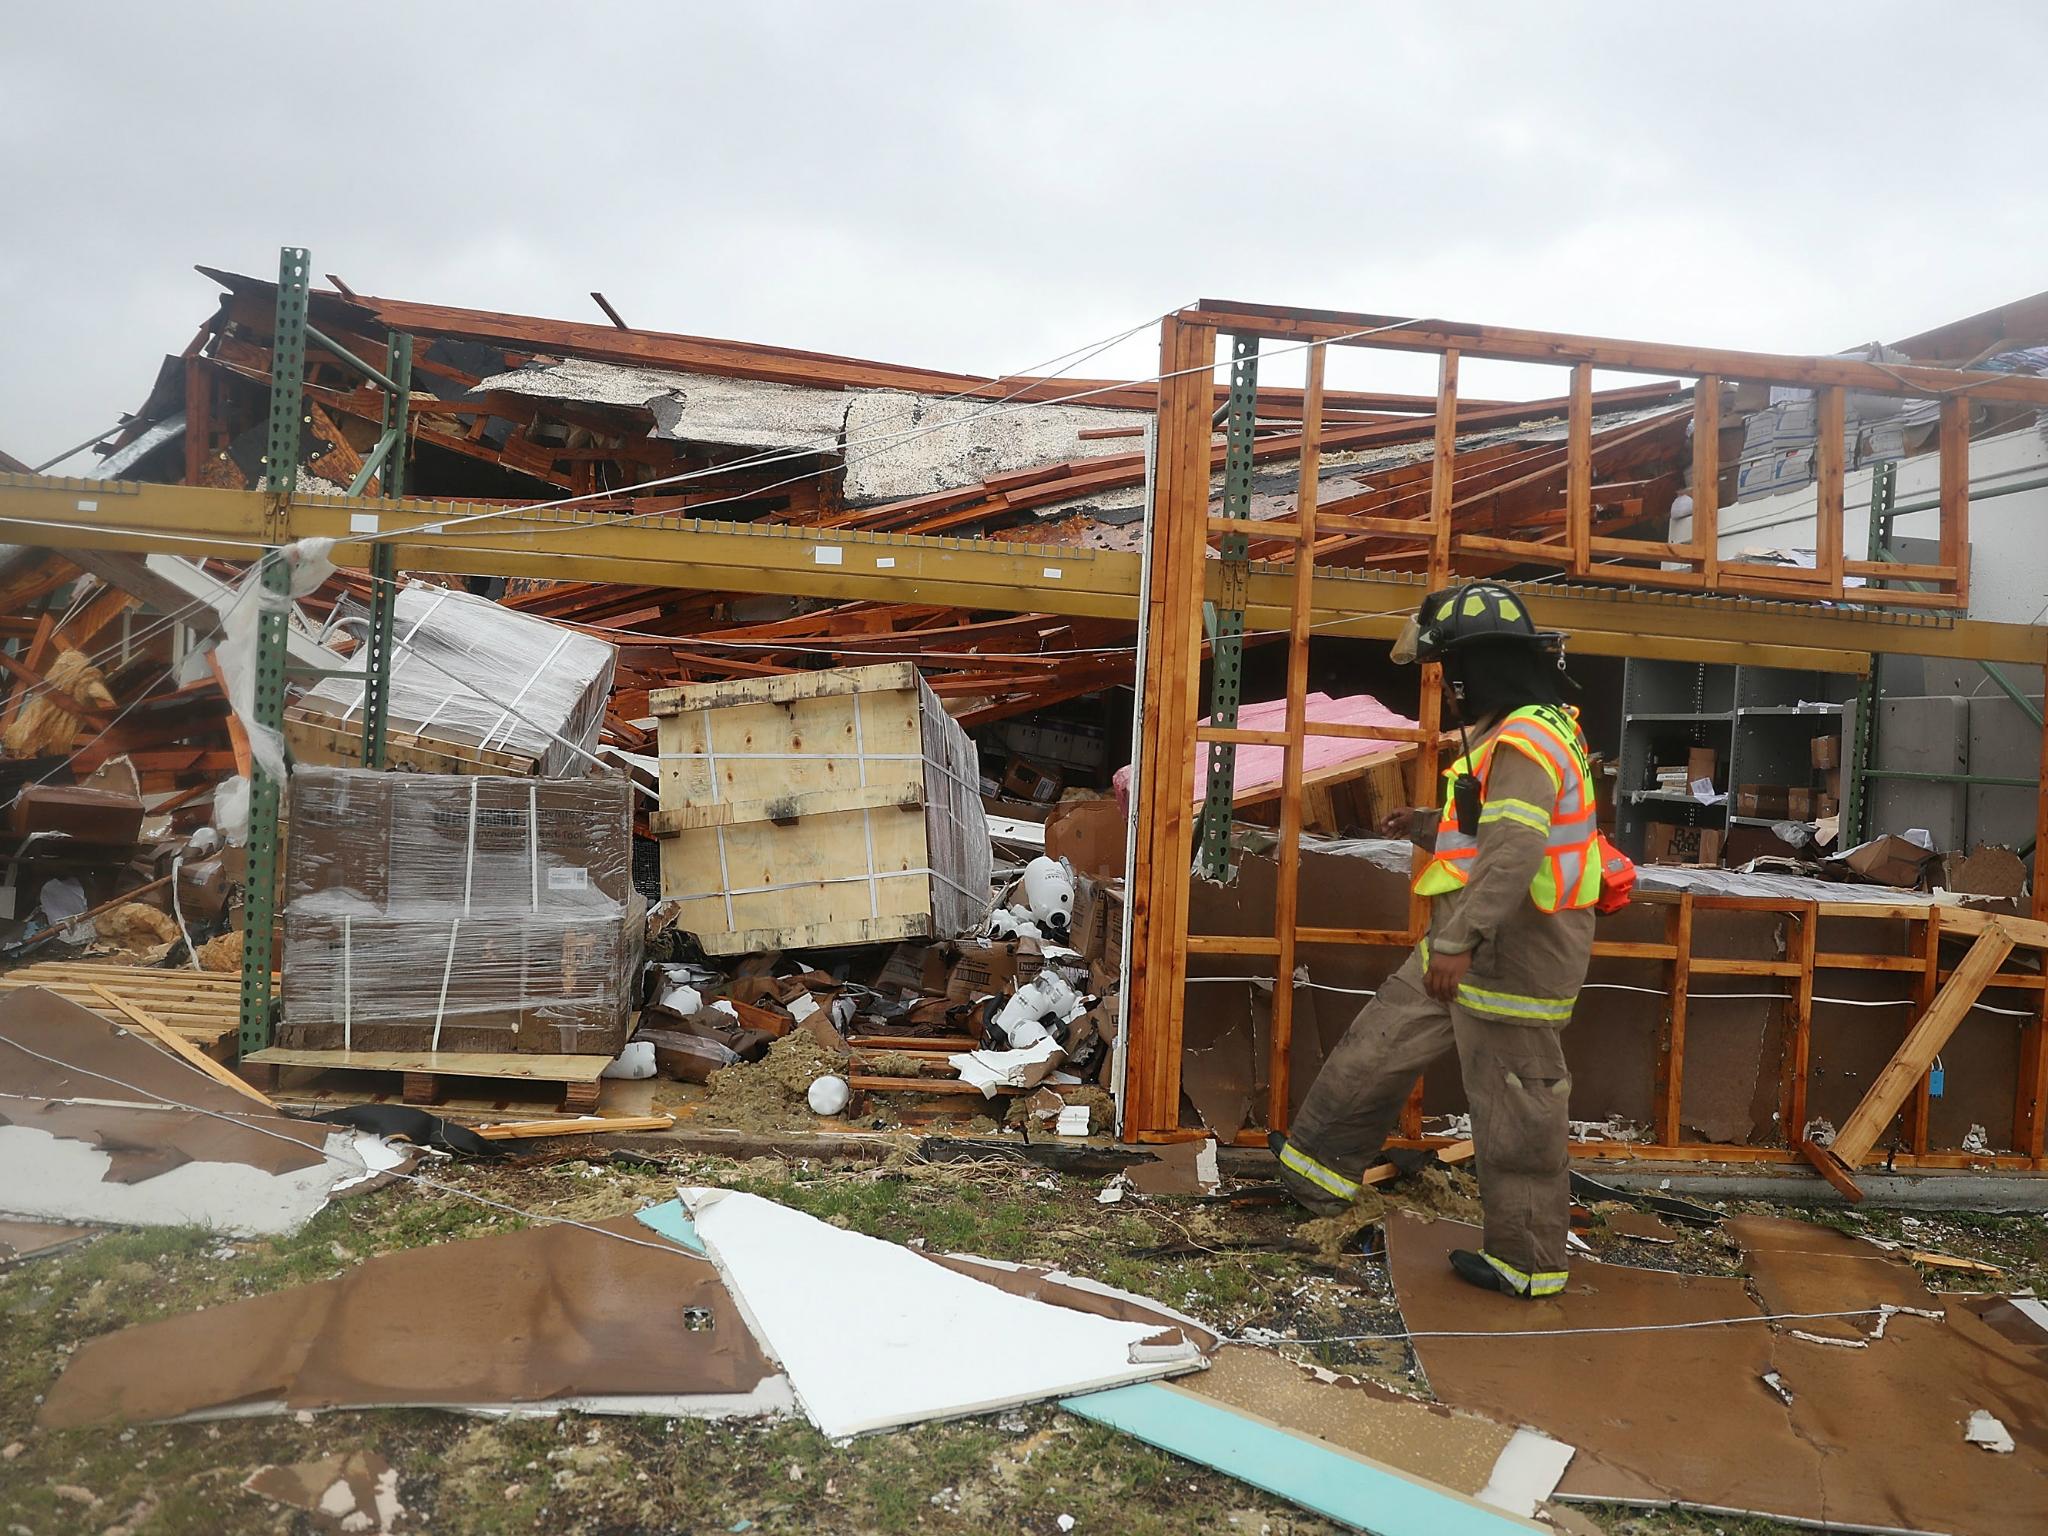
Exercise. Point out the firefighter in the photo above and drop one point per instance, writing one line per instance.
(1512, 883)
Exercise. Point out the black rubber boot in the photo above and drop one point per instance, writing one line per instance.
(1473, 1269)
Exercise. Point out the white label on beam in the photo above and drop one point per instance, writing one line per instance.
(362, 522)
(827, 554)
(1052, 573)
(87, 506)
(885, 562)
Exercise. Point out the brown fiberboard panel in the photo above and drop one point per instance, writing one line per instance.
(1873, 1435)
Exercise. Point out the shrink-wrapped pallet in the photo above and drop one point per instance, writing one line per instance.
(439, 912)
(476, 687)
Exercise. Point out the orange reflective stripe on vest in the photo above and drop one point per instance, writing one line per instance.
(1569, 875)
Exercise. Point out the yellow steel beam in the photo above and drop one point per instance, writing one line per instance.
(569, 544)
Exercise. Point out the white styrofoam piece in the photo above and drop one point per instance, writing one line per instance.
(1525, 1473)
(1985, 1429)
(931, 1344)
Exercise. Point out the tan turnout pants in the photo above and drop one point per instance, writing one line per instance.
(1515, 1081)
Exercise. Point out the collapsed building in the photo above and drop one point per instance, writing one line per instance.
(794, 745)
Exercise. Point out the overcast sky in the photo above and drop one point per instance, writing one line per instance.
(982, 186)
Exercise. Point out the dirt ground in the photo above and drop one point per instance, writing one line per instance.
(1242, 1268)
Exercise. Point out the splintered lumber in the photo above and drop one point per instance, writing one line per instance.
(201, 1008)
(176, 1044)
(1385, 1173)
(595, 1125)
(1923, 1043)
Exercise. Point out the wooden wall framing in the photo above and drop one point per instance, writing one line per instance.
(1182, 526)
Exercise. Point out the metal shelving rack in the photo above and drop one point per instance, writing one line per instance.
(1758, 720)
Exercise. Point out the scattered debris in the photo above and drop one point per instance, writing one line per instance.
(1985, 1430)
(355, 1494)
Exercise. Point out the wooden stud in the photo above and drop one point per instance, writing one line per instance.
(1286, 896)
(1671, 1081)
(1173, 619)
(511, 1130)
(1443, 469)
(1706, 476)
(1829, 470)
(178, 1046)
(2030, 1110)
(1578, 485)
(1954, 443)
(1918, 1110)
(1799, 1020)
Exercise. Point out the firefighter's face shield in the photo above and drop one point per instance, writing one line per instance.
(1408, 642)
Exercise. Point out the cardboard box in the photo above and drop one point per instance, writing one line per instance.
(1799, 804)
(916, 969)
(1666, 842)
(1884, 861)
(1825, 805)
(1089, 834)
(991, 967)
(1772, 801)
(1827, 751)
(104, 817)
(1831, 783)
(1702, 763)
(1027, 781)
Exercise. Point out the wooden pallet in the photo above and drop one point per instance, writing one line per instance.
(426, 1075)
(202, 1007)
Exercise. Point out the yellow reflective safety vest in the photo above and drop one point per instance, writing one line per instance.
(1569, 876)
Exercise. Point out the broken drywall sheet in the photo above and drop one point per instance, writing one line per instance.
(1178, 1168)
(604, 1317)
(1872, 1434)
(931, 1343)
(94, 1127)
(1343, 1485)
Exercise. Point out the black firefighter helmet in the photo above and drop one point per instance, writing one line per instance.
(1479, 612)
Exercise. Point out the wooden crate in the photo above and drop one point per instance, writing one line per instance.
(818, 809)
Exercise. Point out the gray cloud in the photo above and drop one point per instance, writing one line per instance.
(982, 186)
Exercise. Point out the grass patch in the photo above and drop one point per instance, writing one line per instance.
(581, 1476)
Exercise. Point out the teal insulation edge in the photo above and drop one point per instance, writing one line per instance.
(1350, 1489)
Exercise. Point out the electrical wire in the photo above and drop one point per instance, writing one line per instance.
(355, 1162)
(1882, 1310)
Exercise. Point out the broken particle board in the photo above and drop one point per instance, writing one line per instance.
(1872, 1434)
(103, 1125)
